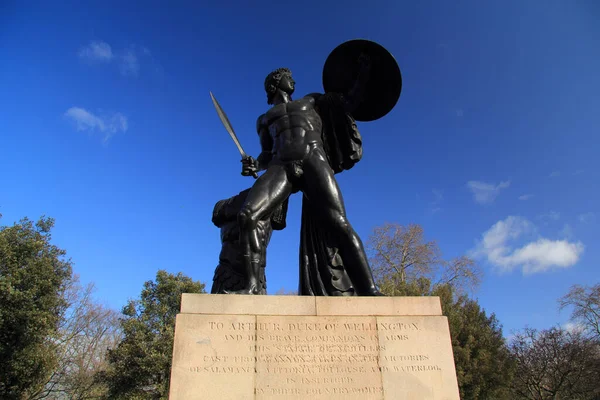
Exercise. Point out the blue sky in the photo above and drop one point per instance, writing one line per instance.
(107, 126)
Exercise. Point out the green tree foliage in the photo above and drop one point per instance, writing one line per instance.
(33, 277)
(140, 366)
(483, 363)
(406, 265)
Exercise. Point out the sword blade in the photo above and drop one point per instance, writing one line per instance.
(227, 125)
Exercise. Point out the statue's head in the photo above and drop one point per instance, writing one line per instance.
(280, 79)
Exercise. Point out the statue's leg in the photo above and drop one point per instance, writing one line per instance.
(271, 188)
(323, 192)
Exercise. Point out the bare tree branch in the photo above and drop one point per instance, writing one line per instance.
(87, 331)
(585, 302)
(555, 364)
(401, 254)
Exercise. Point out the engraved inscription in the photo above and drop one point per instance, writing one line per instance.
(421, 360)
(234, 355)
(311, 348)
(316, 357)
(321, 357)
(203, 355)
(403, 361)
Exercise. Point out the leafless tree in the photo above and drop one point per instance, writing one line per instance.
(555, 364)
(585, 302)
(87, 330)
(401, 254)
(284, 292)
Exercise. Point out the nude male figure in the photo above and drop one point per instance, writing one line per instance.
(294, 159)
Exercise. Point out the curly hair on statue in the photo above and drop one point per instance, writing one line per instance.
(272, 80)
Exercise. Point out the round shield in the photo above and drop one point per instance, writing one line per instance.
(383, 87)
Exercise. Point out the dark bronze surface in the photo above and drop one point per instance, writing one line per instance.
(304, 143)
(385, 80)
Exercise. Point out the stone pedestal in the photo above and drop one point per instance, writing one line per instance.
(297, 347)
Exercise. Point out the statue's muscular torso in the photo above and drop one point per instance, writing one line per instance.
(288, 130)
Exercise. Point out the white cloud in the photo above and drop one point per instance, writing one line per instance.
(545, 254)
(129, 63)
(525, 197)
(587, 217)
(128, 60)
(573, 327)
(566, 231)
(438, 197)
(107, 125)
(485, 193)
(97, 51)
(532, 257)
(554, 215)
(554, 174)
(550, 216)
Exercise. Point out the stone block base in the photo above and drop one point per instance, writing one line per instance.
(297, 347)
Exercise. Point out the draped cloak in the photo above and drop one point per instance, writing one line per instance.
(322, 269)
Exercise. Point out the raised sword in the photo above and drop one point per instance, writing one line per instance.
(229, 129)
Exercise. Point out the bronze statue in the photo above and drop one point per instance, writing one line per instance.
(230, 274)
(305, 142)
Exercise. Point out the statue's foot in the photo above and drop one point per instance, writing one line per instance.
(250, 290)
